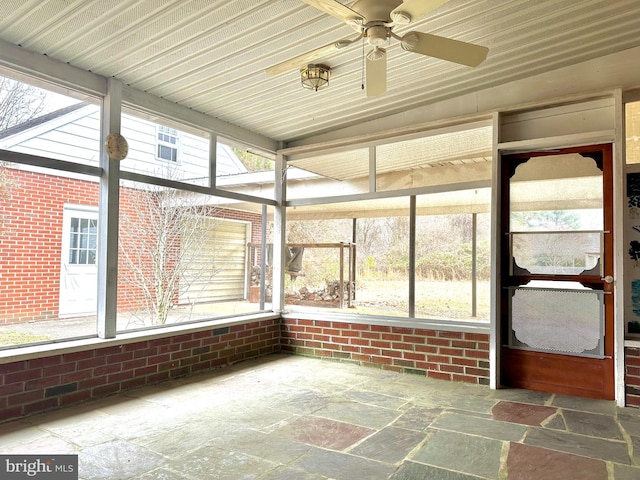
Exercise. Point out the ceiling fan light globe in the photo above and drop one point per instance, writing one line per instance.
(376, 54)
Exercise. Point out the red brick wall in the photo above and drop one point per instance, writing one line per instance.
(31, 242)
(46, 383)
(41, 384)
(632, 376)
(455, 356)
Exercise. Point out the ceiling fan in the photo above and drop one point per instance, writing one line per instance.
(374, 20)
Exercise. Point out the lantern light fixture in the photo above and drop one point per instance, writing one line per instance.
(315, 76)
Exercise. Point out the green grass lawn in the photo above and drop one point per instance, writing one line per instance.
(18, 338)
(434, 299)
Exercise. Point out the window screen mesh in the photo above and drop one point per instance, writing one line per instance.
(557, 320)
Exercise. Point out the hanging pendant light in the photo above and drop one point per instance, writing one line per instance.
(315, 76)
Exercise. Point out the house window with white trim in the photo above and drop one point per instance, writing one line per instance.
(167, 143)
(83, 240)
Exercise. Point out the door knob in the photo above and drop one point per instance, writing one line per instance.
(607, 279)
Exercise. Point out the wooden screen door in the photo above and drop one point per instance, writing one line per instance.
(556, 308)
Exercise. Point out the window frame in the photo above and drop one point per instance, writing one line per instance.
(162, 143)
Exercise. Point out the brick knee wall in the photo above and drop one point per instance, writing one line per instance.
(455, 356)
(632, 376)
(41, 384)
(47, 383)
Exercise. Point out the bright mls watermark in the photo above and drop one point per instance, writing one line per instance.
(50, 467)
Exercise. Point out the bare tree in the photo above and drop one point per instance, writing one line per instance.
(19, 103)
(162, 236)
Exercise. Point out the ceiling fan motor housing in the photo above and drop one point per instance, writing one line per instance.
(377, 35)
(375, 10)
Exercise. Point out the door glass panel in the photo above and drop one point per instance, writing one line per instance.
(557, 320)
(557, 253)
(556, 217)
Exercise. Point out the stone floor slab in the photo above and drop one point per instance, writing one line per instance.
(522, 396)
(626, 472)
(592, 424)
(326, 433)
(358, 413)
(118, 459)
(556, 422)
(273, 447)
(288, 473)
(584, 404)
(598, 448)
(417, 417)
(525, 462)
(629, 419)
(467, 454)
(212, 463)
(340, 466)
(390, 445)
(483, 427)
(523, 413)
(418, 471)
(161, 474)
(376, 399)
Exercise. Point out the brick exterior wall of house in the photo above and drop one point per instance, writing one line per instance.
(31, 242)
(31, 235)
(632, 376)
(47, 383)
(455, 356)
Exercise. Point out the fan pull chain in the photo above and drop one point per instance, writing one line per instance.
(362, 69)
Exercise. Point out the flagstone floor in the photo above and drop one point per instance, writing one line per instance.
(291, 417)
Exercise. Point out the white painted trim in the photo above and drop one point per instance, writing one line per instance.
(45, 68)
(494, 299)
(619, 247)
(563, 141)
(22, 353)
(440, 127)
(108, 219)
(447, 187)
(279, 233)
(426, 324)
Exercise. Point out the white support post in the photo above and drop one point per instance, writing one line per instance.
(108, 218)
(619, 209)
(496, 228)
(279, 233)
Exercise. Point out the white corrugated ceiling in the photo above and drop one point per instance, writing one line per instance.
(210, 55)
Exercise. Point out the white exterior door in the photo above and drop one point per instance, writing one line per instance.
(79, 272)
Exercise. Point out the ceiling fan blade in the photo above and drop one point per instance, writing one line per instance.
(444, 48)
(334, 8)
(376, 72)
(309, 57)
(414, 9)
